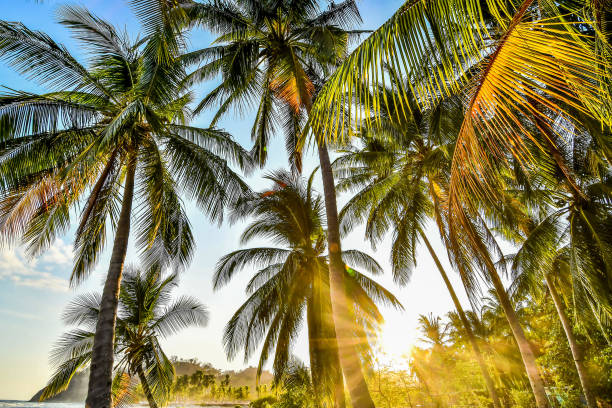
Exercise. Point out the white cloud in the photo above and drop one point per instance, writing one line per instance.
(16, 267)
(60, 253)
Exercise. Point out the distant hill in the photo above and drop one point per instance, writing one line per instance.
(77, 390)
(247, 377)
(188, 367)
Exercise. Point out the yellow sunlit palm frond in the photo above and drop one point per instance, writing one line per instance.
(526, 73)
(525, 93)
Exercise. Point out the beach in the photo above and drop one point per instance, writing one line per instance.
(28, 404)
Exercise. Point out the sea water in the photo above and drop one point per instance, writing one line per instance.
(27, 404)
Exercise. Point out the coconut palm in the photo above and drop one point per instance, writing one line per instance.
(293, 280)
(572, 238)
(275, 55)
(108, 134)
(435, 333)
(507, 59)
(146, 314)
(399, 172)
(553, 268)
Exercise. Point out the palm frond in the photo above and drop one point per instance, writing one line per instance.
(184, 312)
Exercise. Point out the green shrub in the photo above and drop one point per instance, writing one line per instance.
(263, 402)
(571, 398)
(522, 398)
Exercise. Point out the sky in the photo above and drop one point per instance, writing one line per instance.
(34, 292)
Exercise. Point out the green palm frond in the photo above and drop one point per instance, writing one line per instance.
(46, 113)
(362, 260)
(63, 374)
(164, 234)
(247, 326)
(537, 254)
(182, 313)
(83, 310)
(233, 262)
(102, 210)
(98, 36)
(160, 371)
(37, 56)
(204, 176)
(218, 142)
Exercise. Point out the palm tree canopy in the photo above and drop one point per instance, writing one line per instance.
(147, 313)
(398, 172)
(290, 215)
(71, 145)
(270, 55)
(504, 58)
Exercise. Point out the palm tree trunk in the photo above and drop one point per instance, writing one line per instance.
(533, 374)
(329, 338)
(325, 368)
(314, 349)
(145, 387)
(466, 325)
(574, 347)
(101, 371)
(349, 359)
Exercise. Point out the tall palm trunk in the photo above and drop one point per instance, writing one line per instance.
(101, 371)
(349, 359)
(531, 367)
(328, 335)
(322, 345)
(145, 387)
(314, 349)
(574, 347)
(535, 380)
(466, 325)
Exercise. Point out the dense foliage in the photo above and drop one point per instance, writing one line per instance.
(488, 123)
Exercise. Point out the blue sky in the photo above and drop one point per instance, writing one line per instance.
(33, 292)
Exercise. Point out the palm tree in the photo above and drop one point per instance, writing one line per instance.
(434, 331)
(107, 134)
(400, 175)
(553, 266)
(572, 238)
(523, 66)
(146, 315)
(294, 279)
(278, 53)
(511, 79)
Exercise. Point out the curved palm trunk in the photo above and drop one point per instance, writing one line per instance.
(531, 367)
(349, 359)
(145, 387)
(574, 347)
(325, 337)
(466, 325)
(533, 373)
(325, 368)
(101, 371)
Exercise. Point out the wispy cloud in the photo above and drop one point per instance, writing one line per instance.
(16, 267)
(20, 315)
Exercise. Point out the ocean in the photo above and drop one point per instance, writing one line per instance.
(27, 404)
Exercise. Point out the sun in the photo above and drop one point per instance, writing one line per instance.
(396, 341)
